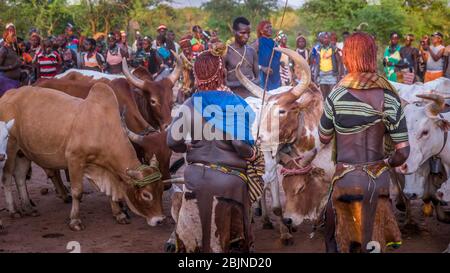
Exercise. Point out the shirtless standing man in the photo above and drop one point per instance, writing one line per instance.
(240, 52)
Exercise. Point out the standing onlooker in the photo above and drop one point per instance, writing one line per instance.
(35, 42)
(69, 57)
(239, 53)
(171, 37)
(447, 62)
(301, 47)
(340, 48)
(90, 58)
(314, 57)
(114, 55)
(197, 43)
(9, 62)
(137, 41)
(23, 52)
(422, 64)
(285, 69)
(123, 43)
(409, 61)
(433, 55)
(47, 61)
(302, 51)
(327, 70)
(392, 57)
(265, 51)
(161, 30)
(151, 60)
(163, 51)
(340, 45)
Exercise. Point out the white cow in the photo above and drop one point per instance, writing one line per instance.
(4, 134)
(409, 92)
(426, 129)
(270, 111)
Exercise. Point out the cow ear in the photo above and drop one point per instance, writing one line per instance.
(443, 124)
(10, 124)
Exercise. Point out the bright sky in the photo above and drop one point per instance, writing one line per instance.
(196, 3)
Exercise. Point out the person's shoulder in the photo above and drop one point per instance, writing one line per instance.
(251, 49)
(336, 93)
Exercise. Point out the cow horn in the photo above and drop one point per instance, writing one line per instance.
(130, 77)
(253, 88)
(135, 138)
(174, 180)
(437, 104)
(309, 157)
(154, 162)
(304, 70)
(175, 75)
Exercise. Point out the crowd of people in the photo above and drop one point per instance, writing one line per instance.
(345, 70)
(24, 61)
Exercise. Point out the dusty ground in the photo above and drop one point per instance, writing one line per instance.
(49, 231)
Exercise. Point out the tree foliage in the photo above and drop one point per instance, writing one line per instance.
(419, 17)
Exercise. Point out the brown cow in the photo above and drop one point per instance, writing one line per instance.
(57, 131)
(80, 89)
(154, 143)
(158, 95)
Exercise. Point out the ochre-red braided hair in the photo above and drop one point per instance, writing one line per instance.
(209, 69)
(360, 53)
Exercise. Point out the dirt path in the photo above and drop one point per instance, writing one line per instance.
(49, 231)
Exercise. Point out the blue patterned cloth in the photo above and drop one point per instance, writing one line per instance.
(228, 112)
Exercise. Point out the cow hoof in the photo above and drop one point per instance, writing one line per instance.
(277, 211)
(15, 215)
(169, 247)
(287, 239)
(67, 199)
(29, 211)
(76, 225)
(267, 225)
(258, 212)
(122, 219)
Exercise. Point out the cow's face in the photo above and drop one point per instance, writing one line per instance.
(426, 135)
(415, 182)
(159, 94)
(160, 97)
(280, 113)
(4, 135)
(306, 196)
(286, 118)
(279, 119)
(146, 201)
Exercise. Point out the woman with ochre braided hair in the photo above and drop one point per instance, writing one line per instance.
(363, 114)
(215, 211)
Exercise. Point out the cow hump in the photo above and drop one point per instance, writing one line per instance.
(103, 94)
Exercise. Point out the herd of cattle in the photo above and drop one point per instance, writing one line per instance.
(111, 130)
